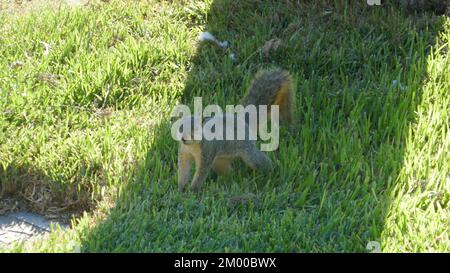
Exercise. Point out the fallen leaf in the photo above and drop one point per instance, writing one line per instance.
(271, 45)
(16, 64)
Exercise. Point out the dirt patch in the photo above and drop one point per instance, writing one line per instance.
(22, 189)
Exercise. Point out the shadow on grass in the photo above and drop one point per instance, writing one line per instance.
(359, 72)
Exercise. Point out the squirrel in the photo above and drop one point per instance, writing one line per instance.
(268, 87)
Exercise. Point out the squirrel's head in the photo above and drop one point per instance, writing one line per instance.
(190, 130)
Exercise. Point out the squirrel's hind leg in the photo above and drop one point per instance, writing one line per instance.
(256, 159)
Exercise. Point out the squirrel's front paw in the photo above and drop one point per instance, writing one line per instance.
(194, 188)
(181, 187)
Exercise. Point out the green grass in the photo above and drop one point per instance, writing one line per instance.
(88, 125)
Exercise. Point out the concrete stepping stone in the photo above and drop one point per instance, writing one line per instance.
(19, 226)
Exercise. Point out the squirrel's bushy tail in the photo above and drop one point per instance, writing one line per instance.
(272, 87)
